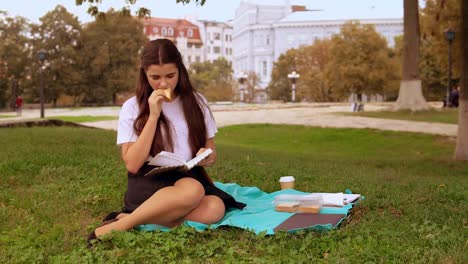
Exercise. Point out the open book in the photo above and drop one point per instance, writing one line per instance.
(338, 199)
(168, 161)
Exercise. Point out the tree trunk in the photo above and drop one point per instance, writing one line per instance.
(461, 149)
(410, 95)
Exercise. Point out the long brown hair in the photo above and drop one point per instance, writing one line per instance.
(158, 52)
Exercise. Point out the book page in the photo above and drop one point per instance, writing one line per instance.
(158, 170)
(193, 162)
(165, 158)
(338, 199)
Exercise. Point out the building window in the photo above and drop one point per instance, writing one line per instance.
(227, 37)
(171, 32)
(155, 30)
(189, 59)
(164, 31)
(267, 40)
(264, 68)
(190, 33)
(216, 50)
(290, 40)
(197, 58)
(217, 36)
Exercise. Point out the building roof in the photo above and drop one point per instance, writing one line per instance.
(335, 9)
(306, 16)
(180, 27)
(268, 2)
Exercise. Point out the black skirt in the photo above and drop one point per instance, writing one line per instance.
(140, 187)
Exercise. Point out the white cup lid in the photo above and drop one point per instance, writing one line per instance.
(286, 179)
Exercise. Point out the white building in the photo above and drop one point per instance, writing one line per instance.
(217, 40)
(263, 30)
(183, 33)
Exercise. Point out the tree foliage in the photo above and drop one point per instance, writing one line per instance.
(213, 79)
(312, 63)
(58, 35)
(15, 51)
(94, 10)
(357, 60)
(251, 87)
(279, 87)
(360, 62)
(110, 51)
(435, 18)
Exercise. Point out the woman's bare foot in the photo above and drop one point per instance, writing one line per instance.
(121, 215)
(105, 229)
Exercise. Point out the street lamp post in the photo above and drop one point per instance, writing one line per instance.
(42, 55)
(242, 77)
(293, 76)
(449, 36)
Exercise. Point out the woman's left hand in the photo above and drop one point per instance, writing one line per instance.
(208, 161)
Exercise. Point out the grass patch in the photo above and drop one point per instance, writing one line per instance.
(449, 116)
(87, 118)
(7, 116)
(56, 183)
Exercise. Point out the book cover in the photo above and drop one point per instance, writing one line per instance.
(304, 220)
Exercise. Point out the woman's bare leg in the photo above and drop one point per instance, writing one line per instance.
(166, 207)
(210, 210)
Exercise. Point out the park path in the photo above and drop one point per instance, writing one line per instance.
(312, 114)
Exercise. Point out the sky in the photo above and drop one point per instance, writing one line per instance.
(217, 10)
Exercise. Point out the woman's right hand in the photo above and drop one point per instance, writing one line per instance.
(155, 103)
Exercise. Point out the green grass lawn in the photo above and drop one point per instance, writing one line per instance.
(6, 116)
(57, 183)
(87, 118)
(449, 116)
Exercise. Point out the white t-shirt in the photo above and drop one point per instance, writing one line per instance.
(174, 113)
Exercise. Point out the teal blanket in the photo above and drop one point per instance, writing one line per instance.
(258, 216)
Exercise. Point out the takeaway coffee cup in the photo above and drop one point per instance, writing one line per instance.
(287, 182)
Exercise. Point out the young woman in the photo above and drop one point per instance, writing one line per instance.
(166, 114)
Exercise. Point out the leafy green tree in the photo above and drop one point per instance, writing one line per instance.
(109, 50)
(213, 79)
(436, 17)
(279, 87)
(58, 35)
(94, 10)
(14, 57)
(359, 62)
(251, 86)
(312, 63)
(433, 76)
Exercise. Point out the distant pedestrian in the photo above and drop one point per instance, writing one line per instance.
(19, 105)
(454, 96)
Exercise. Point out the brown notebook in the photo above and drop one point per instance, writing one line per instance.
(302, 220)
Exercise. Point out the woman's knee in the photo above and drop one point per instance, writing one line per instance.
(210, 210)
(216, 209)
(191, 191)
